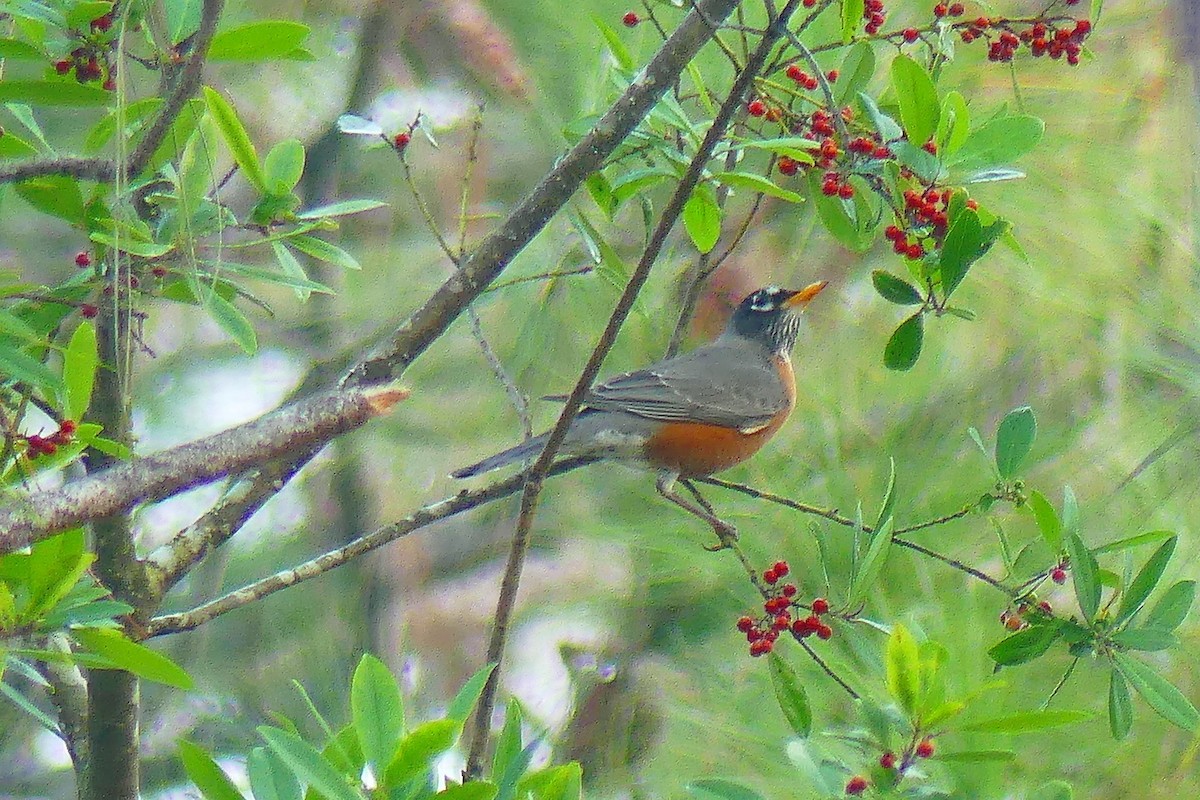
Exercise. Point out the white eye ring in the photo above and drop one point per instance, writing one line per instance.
(763, 304)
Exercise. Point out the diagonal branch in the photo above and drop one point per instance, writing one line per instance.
(306, 423)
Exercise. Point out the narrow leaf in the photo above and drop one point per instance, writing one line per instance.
(1085, 574)
(52, 93)
(1025, 645)
(267, 39)
(132, 657)
(852, 17)
(917, 96)
(1047, 520)
(341, 209)
(960, 249)
(1014, 439)
(1144, 582)
(904, 670)
(324, 251)
(308, 764)
(790, 694)
(209, 778)
(895, 290)
(1172, 608)
(1159, 693)
(1027, 721)
(236, 138)
(79, 369)
(417, 751)
(270, 777)
(284, 166)
(1120, 706)
(702, 218)
(1148, 640)
(377, 709)
(464, 702)
(757, 183)
(721, 789)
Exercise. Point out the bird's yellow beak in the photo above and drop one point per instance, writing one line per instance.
(802, 297)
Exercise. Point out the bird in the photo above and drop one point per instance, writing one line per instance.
(694, 414)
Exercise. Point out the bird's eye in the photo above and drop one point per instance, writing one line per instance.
(762, 300)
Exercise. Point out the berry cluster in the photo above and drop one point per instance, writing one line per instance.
(1055, 38)
(890, 761)
(806, 81)
(874, 14)
(778, 617)
(90, 61)
(48, 445)
(952, 10)
(925, 217)
(1016, 619)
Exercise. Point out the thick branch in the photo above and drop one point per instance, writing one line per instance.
(301, 425)
(463, 501)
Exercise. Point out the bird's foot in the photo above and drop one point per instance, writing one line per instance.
(727, 536)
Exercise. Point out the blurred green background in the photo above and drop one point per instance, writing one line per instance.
(1097, 330)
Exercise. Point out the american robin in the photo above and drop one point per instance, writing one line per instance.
(696, 413)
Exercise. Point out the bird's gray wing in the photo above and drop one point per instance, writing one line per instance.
(719, 387)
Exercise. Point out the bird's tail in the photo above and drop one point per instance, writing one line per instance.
(523, 451)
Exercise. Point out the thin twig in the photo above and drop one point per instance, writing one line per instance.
(533, 486)
(463, 501)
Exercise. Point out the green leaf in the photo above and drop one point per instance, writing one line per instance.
(1070, 512)
(998, 142)
(284, 166)
(954, 124)
(56, 195)
(895, 290)
(904, 670)
(1172, 608)
(475, 790)
(20, 51)
(1047, 520)
(553, 783)
(1014, 440)
(757, 183)
(270, 778)
(790, 694)
(464, 702)
(720, 789)
(1025, 645)
(236, 138)
(209, 778)
(304, 760)
(13, 146)
(509, 760)
(80, 360)
(1027, 721)
(702, 218)
(377, 709)
(1120, 707)
(904, 347)
(1150, 537)
(872, 563)
(1144, 582)
(852, 17)
(300, 283)
(257, 41)
(887, 128)
(341, 209)
(417, 751)
(1148, 640)
(960, 249)
(1158, 692)
(324, 251)
(1085, 574)
(616, 46)
(978, 756)
(16, 365)
(135, 247)
(132, 657)
(293, 271)
(917, 97)
(52, 93)
(232, 321)
(23, 703)
(857, 69)
(83, 13)
(795, 147)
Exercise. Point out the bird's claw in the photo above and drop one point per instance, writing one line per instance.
(726, 534)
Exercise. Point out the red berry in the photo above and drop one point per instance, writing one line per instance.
(1083, 27)
(940, 10)
(982, 22)
(832, 75)
(102, 23)
(631, 19)
(925, 748)
(48, 448)
(789, 590)
(782, 622)
(956, 9)
(892, 233)
(914, 251)
(1045, 608)
(830, 187)
(910, 35)
(881, 152)
(770, 576)
(809, 3)
(795, 73)
(973, 205)
(1014, 622)
(159, 272)
(930, 147)
(856, 785)
(67, 427)
(781, 568)
(824, 632)
(88, 311)
(110, 85)
(788, 166)
(62, 67)
(1058, 575)
(820, 606)
(401, 140)
(773, 114)
(968, 36)
(756, 108)
(744, 624)
(83, 259)
(888, 760)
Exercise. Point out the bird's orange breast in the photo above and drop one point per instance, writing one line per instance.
(693, 449)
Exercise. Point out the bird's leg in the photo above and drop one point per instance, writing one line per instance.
(666, 487)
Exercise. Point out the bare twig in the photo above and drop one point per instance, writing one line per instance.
(463, 501)
(533, 486)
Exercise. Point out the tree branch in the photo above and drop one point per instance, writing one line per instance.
(463, 501)
(302, 424)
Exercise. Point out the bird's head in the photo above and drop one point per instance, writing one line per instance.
(770, 316)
